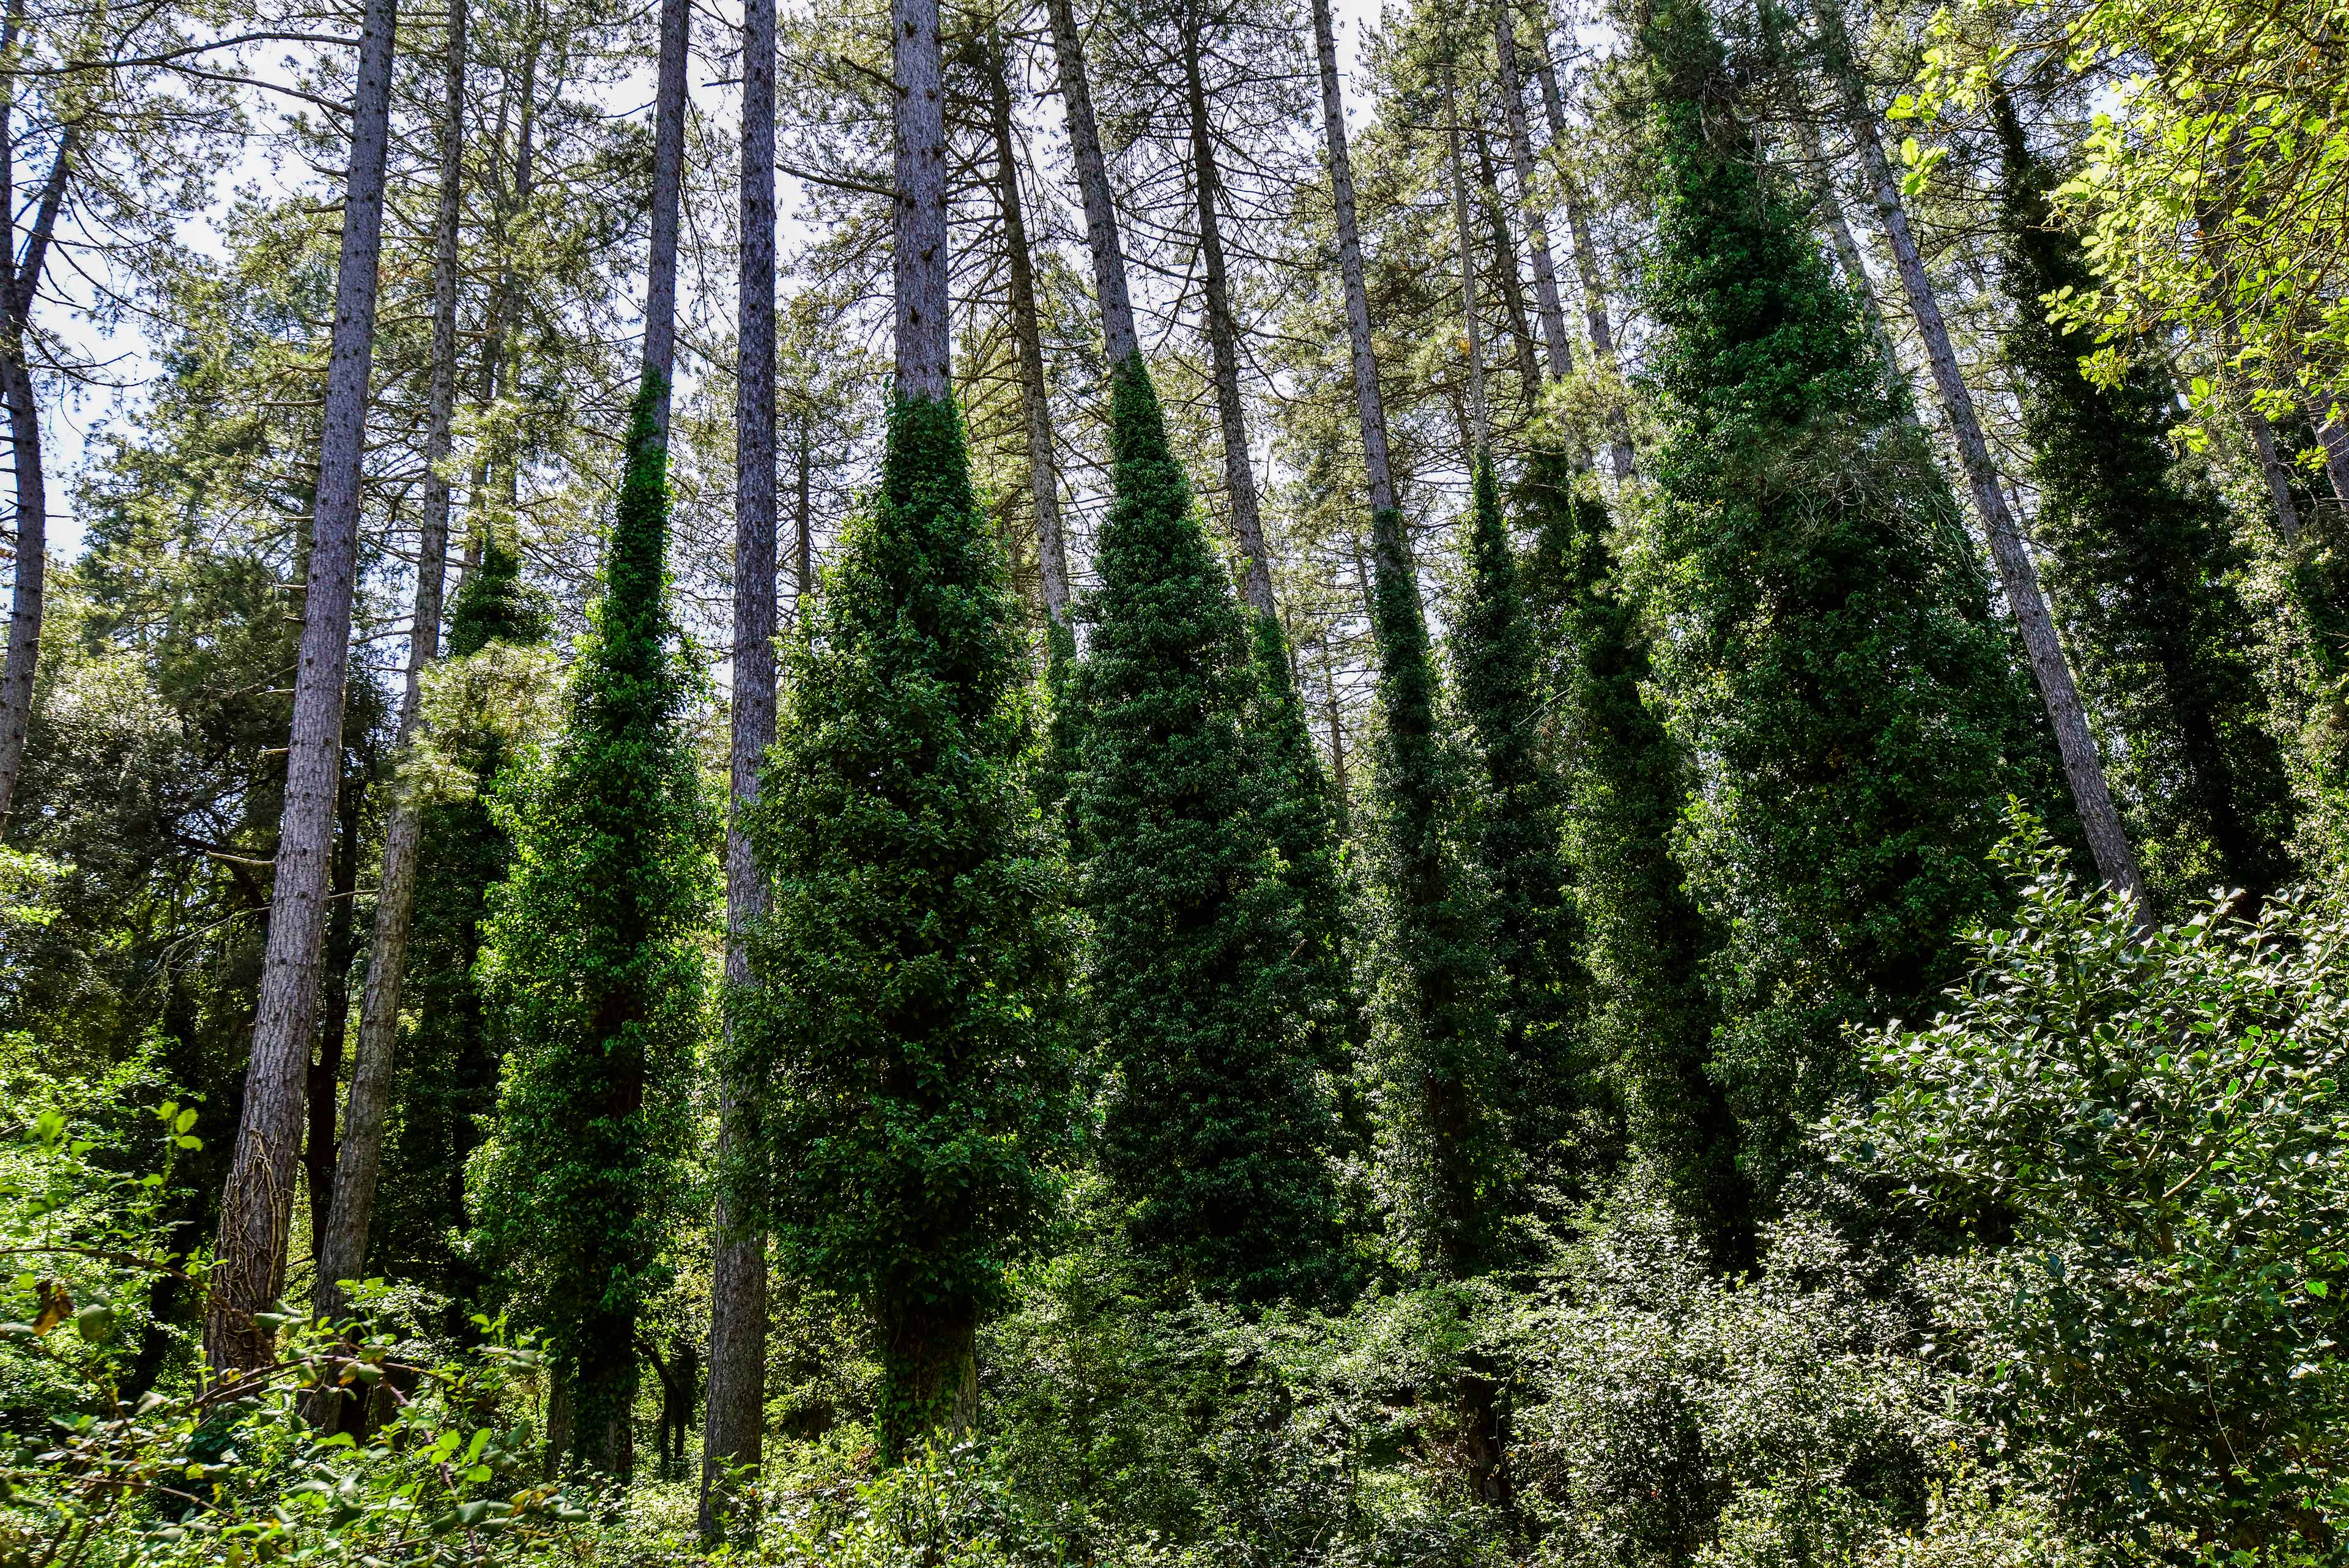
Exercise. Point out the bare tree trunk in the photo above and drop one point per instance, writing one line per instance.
(1341, 799)
(1479, 419)
(325, 1072)
(1587, 269)
(2271, 469)
(668, 186)
(249, 1272)
(23, 433)
(343, 1253)
(1504, 271)
(2018, 574)
(921, 206)
(1376, 469)
(1035, 392)
(1119, 340)
(2333, 435)
(1521, 159)
(735, 1418)
(1846, 249)
(1222, 333)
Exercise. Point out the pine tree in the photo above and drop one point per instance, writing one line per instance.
(1517, 824)
(594, 973)
(909, 1016)
(2145, 565)
(1216, 1136)
(1644, 946)
(1832, 662)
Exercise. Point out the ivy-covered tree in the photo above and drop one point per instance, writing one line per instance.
(1216, 1130)
(1537, 986)
(1832, 665)
(594, 971)
(1649, 1019)
(447, 1076)
(908, 1021)
(2145, 567)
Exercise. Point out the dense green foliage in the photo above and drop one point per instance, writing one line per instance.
(595, 956)
(909, 1024)
(1552, 1086)
(1856, 717)
(2152, 1130)
(1198, 983)
(448, 1061)
(2146, 575)
(1650, 1018)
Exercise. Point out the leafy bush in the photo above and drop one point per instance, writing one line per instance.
(2145, 1134)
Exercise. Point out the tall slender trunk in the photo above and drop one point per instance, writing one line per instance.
(249, 1270)
(342, 1254)
(1505, 271)
(1377, 471)
(2018, 574)
(1119, 340)
(1035, 392)
(325, 1073)
(1521, 159)
(1223, 331)
(920, 263)
(1587, 268)
(2332, 436)
(23, 430)
(1340, 799)
(668, 186)
(1480, 419)
(734, 1420)
(1846, 249)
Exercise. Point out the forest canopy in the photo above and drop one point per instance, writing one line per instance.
(1175, 782)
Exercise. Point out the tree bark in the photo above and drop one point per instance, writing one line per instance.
(1223, 334)
(24, 433)
(668, 186)
(803, 530)
(1035, 392)
(249, 1270)
(921, 279)
(1480, 422)
(1119, 340)
(733, 1421)
(1587, 269)
(1378, 473)
(2018, 574)
(325, 1073)
(1505, 271)
(1846, 249)
(342, 1255)
(1521, 159)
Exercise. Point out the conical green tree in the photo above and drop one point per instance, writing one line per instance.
(448, 1065)
(1215, 1134)
(1300, 820)
(1644, 944)
(1831, 664)
(2145, 568)
(594, 968)
(1538, 984)
(1436, 1037)
(910, 1017)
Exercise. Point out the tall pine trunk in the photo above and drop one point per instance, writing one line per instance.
(1587, 268)
(2018, 574)
(1035, 392)
(1223, 331)
(1119, 340)
(23, 283)
(249, 1270)
(1521, 160)
(738, 1284)
(1480, 417)
(358, 1165)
